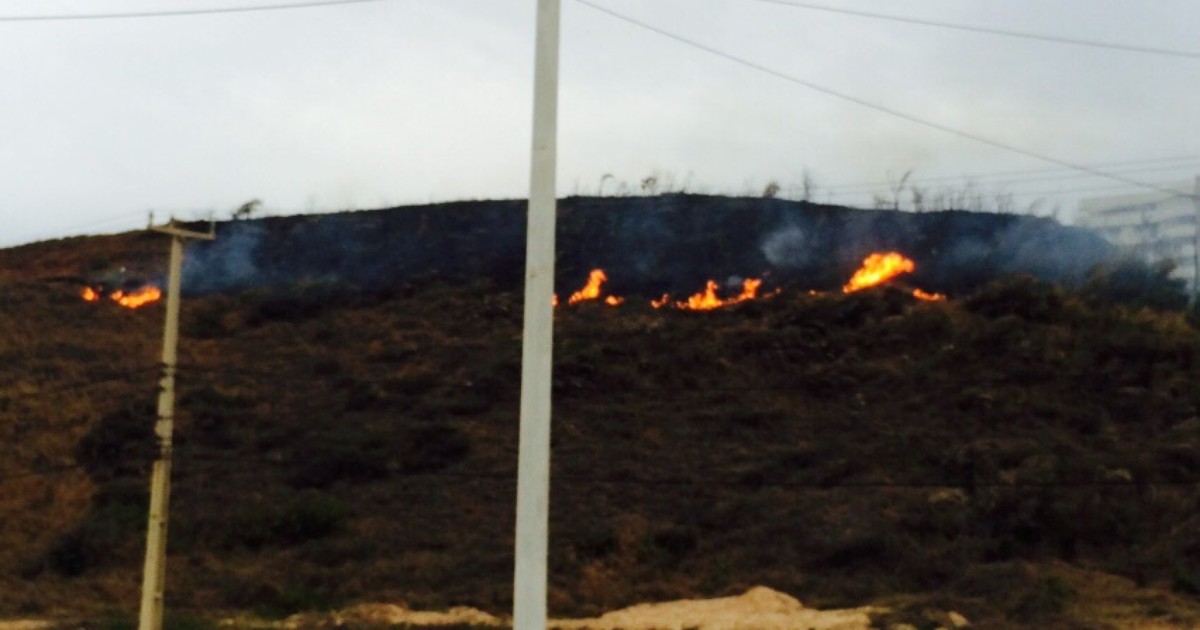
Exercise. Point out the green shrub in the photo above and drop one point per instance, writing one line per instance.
(174, 620)
(309, 516)
(431, 448)
(1018, 296)
(1047, 599)
(294, 598)
(1133, 282)
(293, 521)
(113, 526)
(354, 456)
(215, 417)
(122, 443)
(359, 395)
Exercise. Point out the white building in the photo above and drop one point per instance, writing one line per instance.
(1157, 226)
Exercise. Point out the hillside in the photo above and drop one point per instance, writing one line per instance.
(1022, 453)
(648, 245)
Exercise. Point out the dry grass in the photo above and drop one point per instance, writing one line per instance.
(338, 447)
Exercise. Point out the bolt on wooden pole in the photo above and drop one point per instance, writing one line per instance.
(155, 569)
(533, 466)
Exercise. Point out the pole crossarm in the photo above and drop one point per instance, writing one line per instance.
(173, 229)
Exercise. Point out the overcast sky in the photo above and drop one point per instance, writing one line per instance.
(409, 101)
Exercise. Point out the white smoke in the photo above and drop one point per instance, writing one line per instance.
(786, 247)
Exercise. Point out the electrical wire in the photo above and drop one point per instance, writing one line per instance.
(673, 482)
(1011, 177)
(991, 192)
(179, 13)
(127, 215)
(122, 377)
(1057, 39)
(1091, 189)
(876, 106)
(43, 472)
(510, 476)
(57, 233)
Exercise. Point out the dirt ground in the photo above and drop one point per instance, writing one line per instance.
(759, 608)
(25, 624)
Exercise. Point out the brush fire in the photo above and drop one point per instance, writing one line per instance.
(708, 299)
(881, 267)
(876, 269)
(591, 291)
(137, 298)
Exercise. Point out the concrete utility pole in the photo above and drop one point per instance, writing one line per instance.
(533, 465)
(1196, 245)
(154, 573)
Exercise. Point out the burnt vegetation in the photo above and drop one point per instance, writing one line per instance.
(1000, 454)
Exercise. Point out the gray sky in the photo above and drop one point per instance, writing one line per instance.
(410, 101)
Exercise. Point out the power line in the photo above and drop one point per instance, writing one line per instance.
(127, 215)
(178, 13)
(1086, 189)
(57, 232)
(1057, 39)
(122, 377)
(1027, 176)
(991, 192)
(743, 481)
(42, 472)
(875, 106)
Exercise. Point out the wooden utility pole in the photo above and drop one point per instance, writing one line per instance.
(154, 572)
(533, 459)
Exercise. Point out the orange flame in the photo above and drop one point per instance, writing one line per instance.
(662, 301)
(877, 269)
(135, 299)
(591, 291)
(708, 299)
(704, 301)
(139, 298)
(750, 288)
(928, 297)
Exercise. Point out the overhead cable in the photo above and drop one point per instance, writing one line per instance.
(991, 189)
(1057, 39)
(876, 106)
(741, 481)
(122, 377)
(59, 17)
(41, 472)
(744, 482)
(1017, 177)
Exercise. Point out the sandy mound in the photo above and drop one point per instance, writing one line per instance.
(759, 608)
(392, 615)
(25, 624)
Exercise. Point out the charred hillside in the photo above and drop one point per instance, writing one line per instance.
(648, 246)
(1023, 453)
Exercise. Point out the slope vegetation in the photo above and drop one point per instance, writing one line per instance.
(1011, 454)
